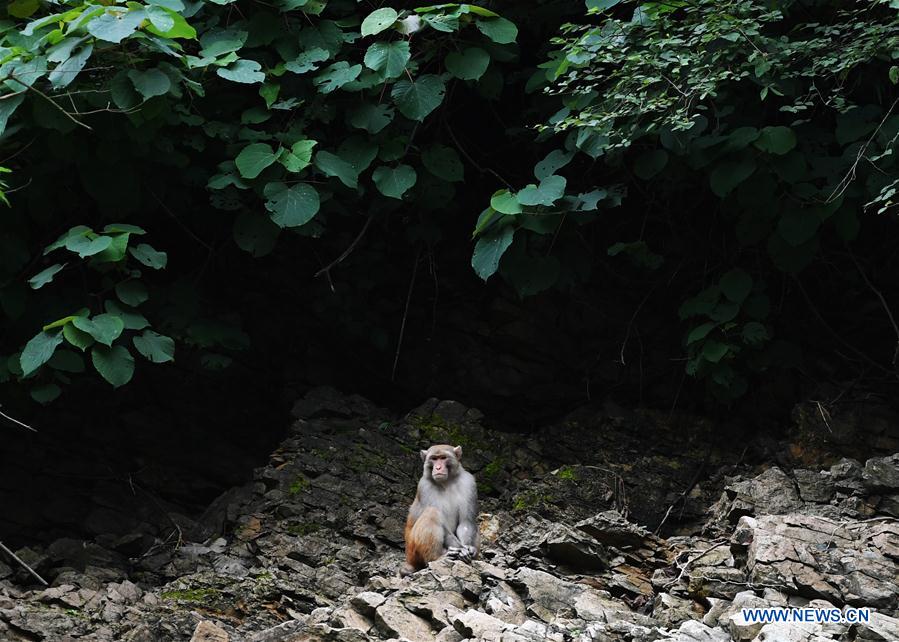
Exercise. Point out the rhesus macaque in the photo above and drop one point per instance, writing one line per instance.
(443, 519)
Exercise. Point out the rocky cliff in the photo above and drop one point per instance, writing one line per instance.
(611, 525)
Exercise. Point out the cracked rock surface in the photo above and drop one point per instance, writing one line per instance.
(310, 548)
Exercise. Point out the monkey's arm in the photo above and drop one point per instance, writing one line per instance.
(467, 530)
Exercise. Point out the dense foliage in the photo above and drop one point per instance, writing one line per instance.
(716, 149)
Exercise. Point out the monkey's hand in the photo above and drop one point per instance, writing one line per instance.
(462, 553)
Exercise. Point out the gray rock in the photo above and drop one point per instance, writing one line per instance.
(395, 620)
(882, 473)
(207, 631)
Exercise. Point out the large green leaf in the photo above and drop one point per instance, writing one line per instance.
(104, 328)
(443, 162)
(298, 157)
(547, 192)
(379, 20)
(551, 163)
(736, 285)
(726, 176)
(114, 364)
(38, 351)
(498, 29)
(116, 23)
(255, 233)
(131, 292)
(84, 246)
(469, 64)
(78, 338)
(291, 206)
(307, 61)
(216, 42)
(243, 71)
(776, 140)
(336, 75)
(334, 165)
(44, 277)
(490, 249)
(372, 118)
(149, 256)
(417, 99)
(254, 158)
(391, 57)
(394, 181)
(149, 83)
(505, 202)
(155, 347)
(65, 72)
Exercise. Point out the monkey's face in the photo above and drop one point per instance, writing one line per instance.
(441, 462)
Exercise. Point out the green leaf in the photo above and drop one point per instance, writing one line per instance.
(298, 157)
(22, 8)
(132, 319)
(333, 165)
(391, 57)
(156, 348)
(469, 64)
(371, 118)
(307, 61)
(550, 189)
(255, 233)
(499, 30)
(116, 251)
(45, 276)
(104, 328)
(336, 75)
(894, 74)
(217, 42)
(551, 163)
(714, 351)
(797, 226)
(114, 364)
(443, 162)
(489, 250)
(394, 181)
(84, 246)
(147, 255)
(65, 72)
(7, 107)
(726, 176)
(378, 20)
(485, 219)
(161, 19)
(254, 158)
(776, 140)
(149, 83)
(38, 351)
(700, 332)
(67, 361)
(650, 163)
(291, 206)
(242, 71)
(115, 24)
(45, 393)
(736, 285)
(417, 99)
(754, 333)
(60, 322)
(78, 338)
(131, 292)
(179, 29)
(505, 202)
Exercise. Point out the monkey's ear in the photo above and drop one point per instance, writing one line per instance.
(424, 454)
(458, 451)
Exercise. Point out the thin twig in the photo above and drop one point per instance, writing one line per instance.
(883, 302)
(843, 185)
(52, 102)
(27, 568)
(346, 252)
(630, 324)
(474, 163)
(16, 421)
(399, 341)
(180, 223)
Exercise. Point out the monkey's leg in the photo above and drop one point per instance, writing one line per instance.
(424, 541)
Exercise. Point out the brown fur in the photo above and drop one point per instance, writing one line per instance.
(424, 539)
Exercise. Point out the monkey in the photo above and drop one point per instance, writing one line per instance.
(443, 518)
